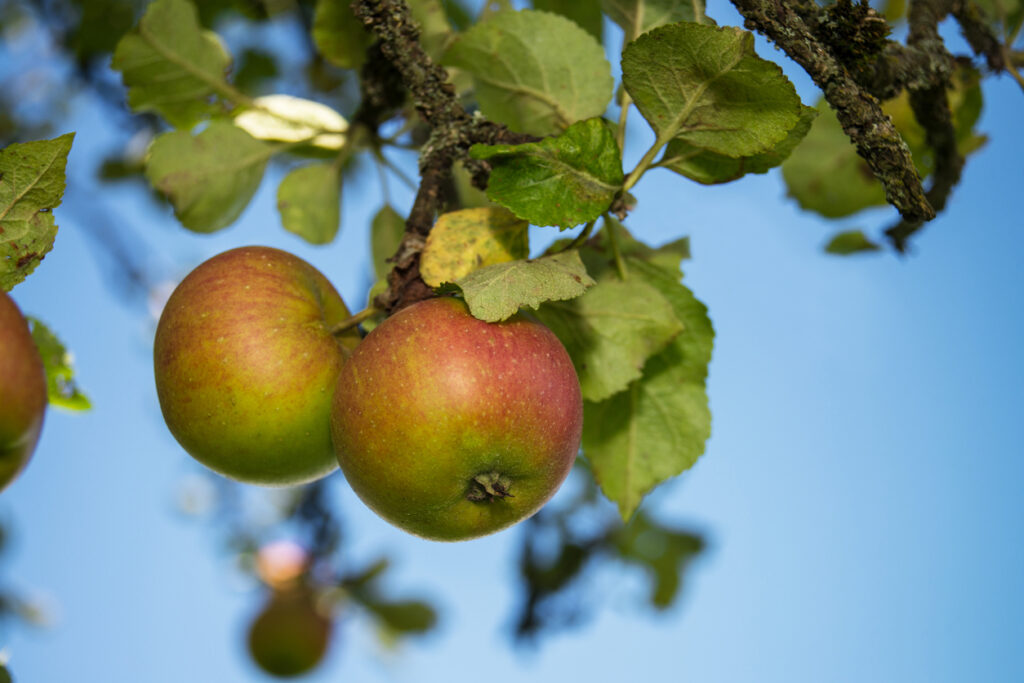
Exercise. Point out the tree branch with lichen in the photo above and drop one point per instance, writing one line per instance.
(859, 112)
(453, 132)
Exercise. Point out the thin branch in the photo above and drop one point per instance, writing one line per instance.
(978, 34)
(931, 110)
(453, 132)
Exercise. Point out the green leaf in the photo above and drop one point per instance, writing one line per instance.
(339, 35)
(5, 675)
(637, 17)
(496, 292)
(611, 331)
(463, 241)
(536, 72)
(385, 235)
(599, 258)
(663, 551)
(61, 388)
(657, 427)
(255, 70)
(825, 173)
(409, 616)
(710, 168)
(309, 199)
(435, 32)
(171, 65)
(563, 181)
(965, 103)
(209, 178)
(100, 25)
(31, 186)
(850, 242)
(705, 86)
(469, 196)
(1005, 16)
(586, 14)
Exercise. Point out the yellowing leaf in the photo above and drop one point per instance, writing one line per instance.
(463, 241)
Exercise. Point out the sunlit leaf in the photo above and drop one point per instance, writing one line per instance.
(293, 119)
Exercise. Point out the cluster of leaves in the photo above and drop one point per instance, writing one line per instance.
(640, 341)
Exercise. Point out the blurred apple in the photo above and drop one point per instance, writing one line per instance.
(245, 365)
(22, 391)
(289, 636)
(452, 428)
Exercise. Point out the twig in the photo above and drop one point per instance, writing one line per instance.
(931, 109)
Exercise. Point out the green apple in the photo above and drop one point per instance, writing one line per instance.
(22, 392)
(245, 366)
(290, 635)
(452, 428)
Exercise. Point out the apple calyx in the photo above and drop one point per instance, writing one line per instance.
(489, 487)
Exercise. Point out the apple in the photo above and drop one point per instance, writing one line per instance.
(245, 366)
(22, 392)
(453, 428)
(289, 636)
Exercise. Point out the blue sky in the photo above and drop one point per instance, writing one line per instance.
(861, 490)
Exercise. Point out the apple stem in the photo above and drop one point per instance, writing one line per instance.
(349, 323)
(489, 487)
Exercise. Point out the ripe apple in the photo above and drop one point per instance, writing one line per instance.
(245, 366)
(452, 428)
(290, 635)
(22, 391)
